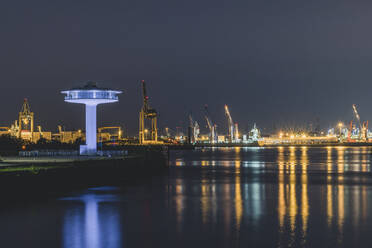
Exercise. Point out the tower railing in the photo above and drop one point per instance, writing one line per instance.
(75, 95)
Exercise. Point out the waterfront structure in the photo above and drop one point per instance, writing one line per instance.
(255, 133)
(147, 113)
(23, 128)
(111, 134)
(90, 95)
(213, 137)
(26, 122)
(64, 136)
(230, 124)
(194, 130)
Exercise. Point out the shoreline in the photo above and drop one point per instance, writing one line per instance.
(32, 178)
(349, 144)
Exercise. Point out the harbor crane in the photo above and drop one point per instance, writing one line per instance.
(212, 127)
(236, 132)
(147, 113)
(363, 127)
(230, 124)
(194, 130)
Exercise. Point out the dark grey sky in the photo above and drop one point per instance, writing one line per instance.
(283, 62)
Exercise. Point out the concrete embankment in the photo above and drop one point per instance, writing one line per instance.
(33, 176)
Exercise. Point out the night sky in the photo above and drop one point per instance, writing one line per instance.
(276, 63)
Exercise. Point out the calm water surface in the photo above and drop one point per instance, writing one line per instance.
(226, 197)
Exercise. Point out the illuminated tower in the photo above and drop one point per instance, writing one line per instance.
(91, 96)
(26, 121)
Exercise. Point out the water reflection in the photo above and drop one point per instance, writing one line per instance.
(179, 200)
(304, 200)
(271, 197)
(310, 183)
(205, 202)
(281, 194)
(91, 222)
(238, 196)
(227, 207)
(292, 165)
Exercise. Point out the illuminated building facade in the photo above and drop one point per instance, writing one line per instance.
(26, 122)
(91, 96)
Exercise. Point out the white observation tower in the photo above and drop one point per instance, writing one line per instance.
(91, 96)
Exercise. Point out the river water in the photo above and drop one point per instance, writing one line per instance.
(215, 197)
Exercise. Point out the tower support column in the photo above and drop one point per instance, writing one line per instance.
(90, 130)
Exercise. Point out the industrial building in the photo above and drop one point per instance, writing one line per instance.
(24, 129)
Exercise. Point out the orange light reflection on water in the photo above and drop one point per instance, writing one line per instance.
(304, 200)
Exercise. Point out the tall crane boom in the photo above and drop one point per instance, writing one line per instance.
(194, 130)
(191, 130)
(227, 112)
(230, 123)
(357, 115)
(363, 128)
(209, 122)
(145, 97)
(191, 121)
(211, 126)
(358, 119)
